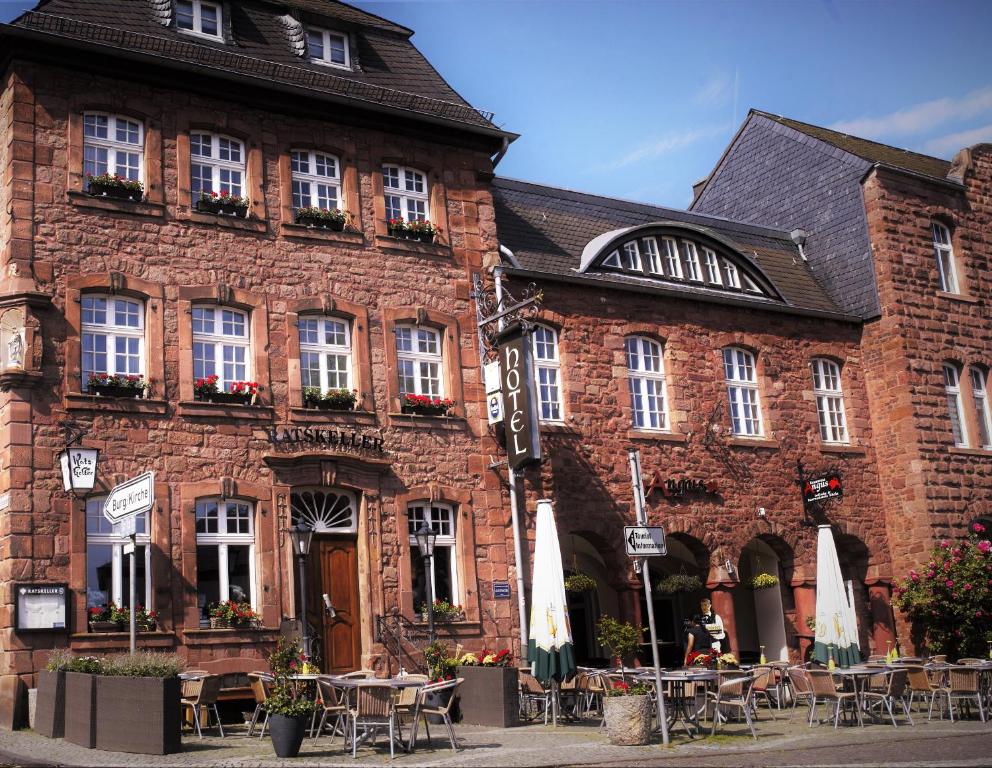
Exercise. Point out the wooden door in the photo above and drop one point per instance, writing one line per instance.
(334, 570)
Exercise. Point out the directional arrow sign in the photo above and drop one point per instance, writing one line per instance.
(645, 540)
(135, 496)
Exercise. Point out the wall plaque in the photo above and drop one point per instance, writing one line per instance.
(41, 607)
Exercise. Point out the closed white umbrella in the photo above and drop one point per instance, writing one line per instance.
(836, 624)
(549, 648)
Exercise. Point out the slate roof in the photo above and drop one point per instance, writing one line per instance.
(389, 70)
(872, 151)
(546, 229)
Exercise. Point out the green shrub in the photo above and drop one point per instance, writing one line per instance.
(89, 665)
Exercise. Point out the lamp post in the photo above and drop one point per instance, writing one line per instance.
(78, 478)
(426, 536)
(301, 536)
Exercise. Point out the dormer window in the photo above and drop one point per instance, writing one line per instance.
(330, 48)
(199, 17)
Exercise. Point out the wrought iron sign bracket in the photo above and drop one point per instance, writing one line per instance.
(492, 309)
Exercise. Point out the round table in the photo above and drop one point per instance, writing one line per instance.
(681, 709)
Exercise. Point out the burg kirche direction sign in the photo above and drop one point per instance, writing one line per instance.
(131, 498)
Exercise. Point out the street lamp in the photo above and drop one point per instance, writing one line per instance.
(426, 536)
(301, 535)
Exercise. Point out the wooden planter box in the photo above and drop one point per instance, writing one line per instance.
(138, 714)
(112, 391)
(224, 209)
(226, 398)
(489, 696)
(118, 193)
(49, 718)
(318, 223)
(80, 709)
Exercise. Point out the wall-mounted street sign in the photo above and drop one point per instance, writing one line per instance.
(523, 437)
(501, 590)
(822, 487)
(41, 607)
(131, 498)
(494, 400)
(645, 540)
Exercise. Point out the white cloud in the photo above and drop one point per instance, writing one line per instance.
(952, 142)
(714, 91)
(663, 145)
(919, 118)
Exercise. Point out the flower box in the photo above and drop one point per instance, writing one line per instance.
(106, 626)
(110, 390)
(443, 618)
(97, 189)
(317, 222)
(222, 208)
(628, 720)
(426, 237)
(80, 709)
(235, 398)
(327, 405)
(489, 696)
(138, 714)
(50, 704)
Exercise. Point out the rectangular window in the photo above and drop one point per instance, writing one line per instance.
(631, 256)
(225, 553)
(441, 569)
(113, 336)
(325, 353)
(673, 264)
(733, 278)
(547, 372)
(980, 394)
(955, 412)
(691, 257)
(113, 145)
(198, 17)
(220, 345)
(654, 258)
(646, 374)
(742, 391)
(107, 567)
(418, 355)
(712, 267)
(316, 180)
(217, 165)
(330, 48)
(405, 193)
(829, 401)
(944, 253)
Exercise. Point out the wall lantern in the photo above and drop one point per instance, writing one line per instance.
(79, 469)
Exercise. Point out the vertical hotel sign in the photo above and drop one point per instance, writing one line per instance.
(523, 437)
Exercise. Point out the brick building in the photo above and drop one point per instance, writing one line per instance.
(900, 239)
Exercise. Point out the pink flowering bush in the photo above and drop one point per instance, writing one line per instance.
(950, 603)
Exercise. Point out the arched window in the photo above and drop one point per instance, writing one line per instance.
(829, 400)
(405, 193)
(225, 553)
(742, 391)
(325, 353)
(646, 374)
(547, 373)
(316, 180)
(107, 571)
(220, 345)
(442, 568)
(955, 409)
(944, 253)
(325, 510)
(418, 355)
(979, 391)
(113, 337)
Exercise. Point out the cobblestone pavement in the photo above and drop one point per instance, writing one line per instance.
(779, 743)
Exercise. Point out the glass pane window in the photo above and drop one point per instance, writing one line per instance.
(673, 264)
(316, 180)
(198, 17)
(405, 193)
(646, 374)
(547, 372)
(113, 336)
(327, 47)
(979, 392)
(107, 567)
(225, 553)
(217, 164)
(733, 277)
(418, 353)
(325, 352)
(653, 256)
(829, 400)
(944, 253)
(113, 144)
(742, 391)
(631, 256)
(691, 257)
(712, 267)
(955, 411)
(221, 341)
(441, 570)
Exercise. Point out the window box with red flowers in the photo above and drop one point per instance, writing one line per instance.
(424, 405)
(116, 385)
(114, 186)
(322, 218)
(423, 231)
(238, 393)
(331, 400)
(223, 204)
(232, 615)
(445, 612)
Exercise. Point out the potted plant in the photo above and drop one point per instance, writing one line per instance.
(423, 231)
(114, 186)
(50, 702)
(444, 611)
(116, 385)
(424, 405)
(322, 218)
(679, 582)
(289, 705)
(763, 581)
(80, 700)
(239, 392)
(331, 400)
(101, 619)
(620, 638)
(145, 620)
(230, 614)
(490, 694)
(580, 582)
(223, 203)
(627, 713)
(396, 227)
(704, 659)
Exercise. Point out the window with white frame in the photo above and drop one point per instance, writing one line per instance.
(631, 256)
(712, 266)
(225, 553)
(220, 345)
(944, 253)
(325, 352)
(654, 258)
(327, 47)
(113, 336)
(673, 264)
(107, 568)
(733, 277)
(217, 164)
(829, 400)
(405, 193)
(646, 373)
(420, 362)
(113, 145)
(199, 17)
(442, 569)
(742, 392)
(316, 180)
(547, 373)
(691, 255)
(979, 392)
(955, 410)
(613, 260)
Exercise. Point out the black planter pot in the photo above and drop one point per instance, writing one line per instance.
(426, 237)
(112, 391)
(323, 405)
(489, 696)
(230, 398)
(139, 714)
(118, 193)
(50, 712)
(224, 209)
(80, 709)
(401, 233)
(419, 410)
(311, 221)
(287, 734)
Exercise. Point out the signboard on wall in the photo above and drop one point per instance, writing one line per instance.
(501, 590)
(41, 607)
(523, 437)
(822, 487)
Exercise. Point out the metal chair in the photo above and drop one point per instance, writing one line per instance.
(763, 680)
(822, 685)
(919, 682)
(202, 692)
(535, 699)
(332, 701)
(735, 693)
(963, 684)
(423, 709)
(373, 709)
(800, 687)
(260, 686)
(894, 689)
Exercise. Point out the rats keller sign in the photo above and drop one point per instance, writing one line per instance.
(822, 487)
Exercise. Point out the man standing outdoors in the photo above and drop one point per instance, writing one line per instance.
(712, 623)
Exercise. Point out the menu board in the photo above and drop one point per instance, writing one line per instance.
(41, 607)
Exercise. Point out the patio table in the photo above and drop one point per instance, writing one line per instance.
(396, 683)
(681, 710)
(857, 677)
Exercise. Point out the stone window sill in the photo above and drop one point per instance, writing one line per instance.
(416, 420)
(851, 450)
(461, 627)
(411, 246)
(231, 222)
(317, 233)
(226, 410)
(144, 208)
(317, 416)
(80, 401)
(91, 640)
(662, 437)
(958, 451)
(239, 635)
(753, 442)
(962, 297)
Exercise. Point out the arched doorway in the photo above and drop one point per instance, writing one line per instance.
(853, 556)
(332, 570)
(759, 610)
(580, 556)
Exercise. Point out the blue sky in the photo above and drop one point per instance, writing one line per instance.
(638, 99)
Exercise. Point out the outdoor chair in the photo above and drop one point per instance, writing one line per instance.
(332, 702)
(735, 693)
(201, 694)
(919, 683)
(535, 699)
(593, 692)
(372, 709)
(939, 659)
(763, 680)
(963, 685)
(800, 686)
(824, 690)
(260, 683)
(423, 709)
(894, 689)
(969, 662)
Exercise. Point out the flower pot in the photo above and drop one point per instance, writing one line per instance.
(219, 623)
(148, 626)
(223, 209)
(426, 237)
(138, 714)
(318, 223)
(425, 410)
(109, 390)
(105, 626)
(489, 696)
(80, 709)
(230, 398)
(397, 232)
(628, 720)
(50, 705)
(327, 405)
(118, 193)
(287, 734)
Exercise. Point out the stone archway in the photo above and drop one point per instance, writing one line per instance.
(854, 558)
(579, 554)
(759, 613)
(687, 557)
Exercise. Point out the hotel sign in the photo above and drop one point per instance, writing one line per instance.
(520, 422)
